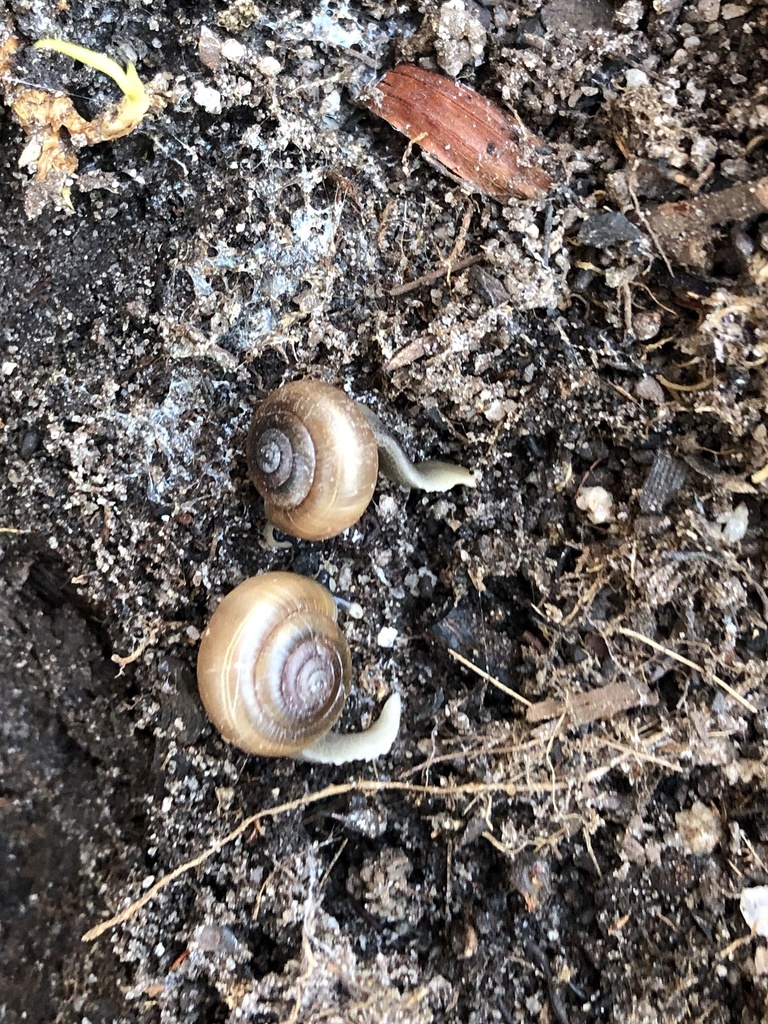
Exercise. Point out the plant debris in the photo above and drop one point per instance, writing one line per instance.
(684, 229)
(467, 134)
(54, 129)
(604, 702)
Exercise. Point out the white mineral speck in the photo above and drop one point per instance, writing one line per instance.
(734, 524)
(754, 908)
(387, 636)
(597, 503)
(232, 50)
(635, 78)
(269, 67)
(207, 98)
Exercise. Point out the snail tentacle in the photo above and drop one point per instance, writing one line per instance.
(340, 748)
(430, 475)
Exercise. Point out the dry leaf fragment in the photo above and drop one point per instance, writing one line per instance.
(665, 478)
(468, 135)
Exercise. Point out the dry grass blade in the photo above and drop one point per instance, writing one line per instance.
(689, 664)
(489, 678)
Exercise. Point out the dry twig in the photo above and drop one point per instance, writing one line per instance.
(469, 789)
(489, 678)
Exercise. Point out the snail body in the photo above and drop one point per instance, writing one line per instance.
(314, 455)
(274, 671)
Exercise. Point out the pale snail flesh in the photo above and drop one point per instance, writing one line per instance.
(314, 455)
(274, 671)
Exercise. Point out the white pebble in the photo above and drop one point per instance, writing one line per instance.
(269, 67)
(754, 908)
(734, 524)
(232, 50)
(635, 78)
(207, 97)
(387, 636)
(596, 502)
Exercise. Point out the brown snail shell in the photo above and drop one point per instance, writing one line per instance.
(313, 457)
(273, 668)
(274, 672)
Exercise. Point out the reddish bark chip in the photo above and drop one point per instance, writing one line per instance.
(471, 137)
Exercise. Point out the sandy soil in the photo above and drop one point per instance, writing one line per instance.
(572, 850)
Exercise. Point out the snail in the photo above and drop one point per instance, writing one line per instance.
(314, 455)
(274, 671)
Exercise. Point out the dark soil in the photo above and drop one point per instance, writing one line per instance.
(577, 856)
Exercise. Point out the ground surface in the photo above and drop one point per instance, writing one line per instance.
(580, 859)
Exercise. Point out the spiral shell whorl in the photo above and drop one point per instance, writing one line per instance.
(313, 458)
(274, 669)
(281, 457)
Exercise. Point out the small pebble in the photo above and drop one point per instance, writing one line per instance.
(597, 503)
(650, 389)
(635, 78)
(30, 442)
(387, 636)
(754, 908)
(646, 324)
(709, 10)
(734, 524)
(232, 50)
(269, 67)
(207, 97)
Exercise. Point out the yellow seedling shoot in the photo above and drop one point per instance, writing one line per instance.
(132, 109)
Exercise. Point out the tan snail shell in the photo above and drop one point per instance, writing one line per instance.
(313, 458)
(274, 671)
(314, 455)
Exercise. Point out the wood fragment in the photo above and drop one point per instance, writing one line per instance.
(603, 703)
(434, 275)
(685, 228)
(468, 135)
